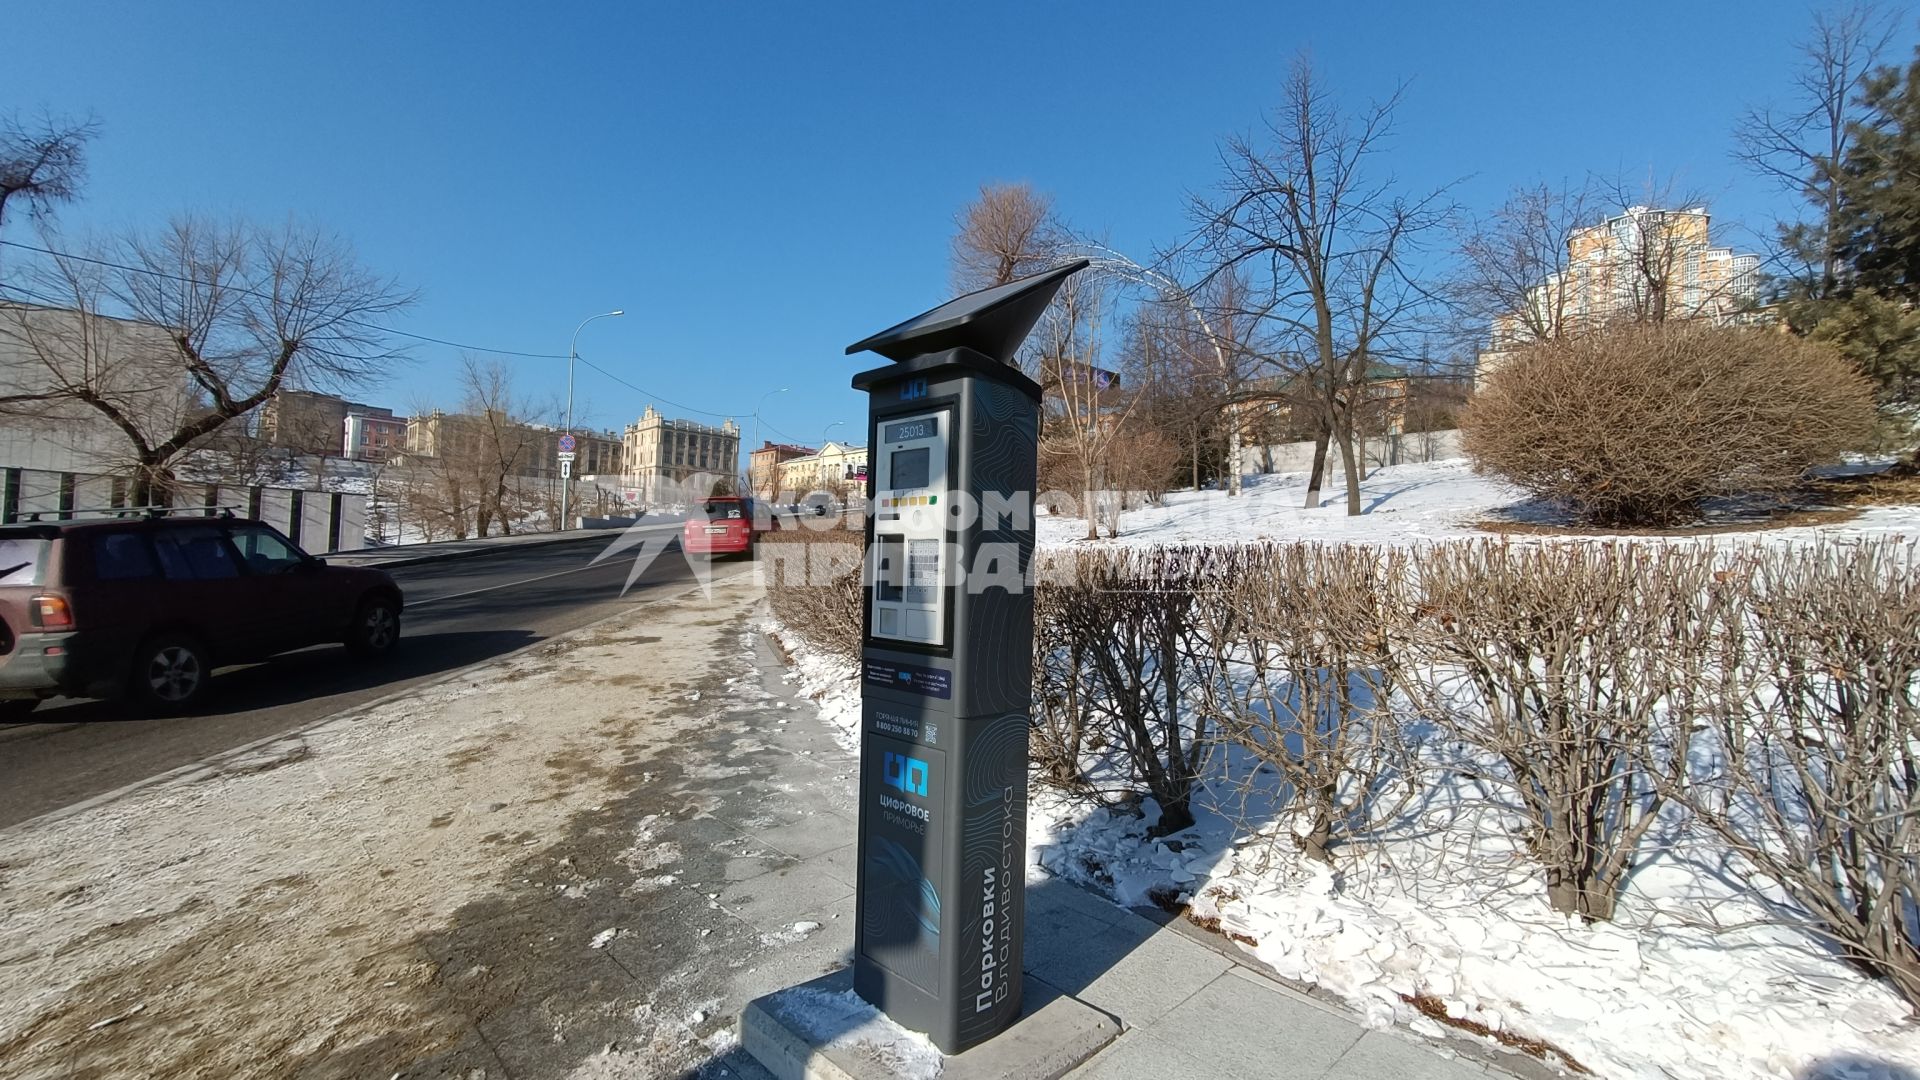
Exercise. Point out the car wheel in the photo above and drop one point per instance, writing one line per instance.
(170, 674)
(16, 710)
(376, 627)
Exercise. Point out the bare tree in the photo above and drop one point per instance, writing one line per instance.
(1512, 285)
(1304, 208)
(42, 162)
(170, 338)
(1010, 231)
(1083, 412)
(499, 445)
(1207, 340)
(1802, 146)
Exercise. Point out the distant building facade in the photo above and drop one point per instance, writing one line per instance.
(373, 433)
(1644, 263)
(312, 423)
(763, 465)
(840, 468)
(661, 456)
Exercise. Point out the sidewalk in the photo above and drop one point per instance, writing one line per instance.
(1190, 1003)
(581, 861)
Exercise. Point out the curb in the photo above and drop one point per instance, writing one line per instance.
(210, 764)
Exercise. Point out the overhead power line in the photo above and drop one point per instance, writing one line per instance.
(362, 323)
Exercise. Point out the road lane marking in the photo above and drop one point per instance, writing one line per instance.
(411, 604)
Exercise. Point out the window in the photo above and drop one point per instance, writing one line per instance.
(20, 561)
(264, 551)
(123, 556)
(196, 553)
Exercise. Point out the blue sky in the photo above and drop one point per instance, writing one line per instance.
(760, 184)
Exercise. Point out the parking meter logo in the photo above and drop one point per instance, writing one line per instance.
(913, 389)
(906, 774)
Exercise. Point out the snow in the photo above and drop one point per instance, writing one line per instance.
(840, 1019)
(1450, 911)
(1689, 981)
(1402, 504)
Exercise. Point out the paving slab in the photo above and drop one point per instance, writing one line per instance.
(1238, 1028)
(778, 898)
(1138, 1055)
(814, 834)
(1380, 1053)
(1136, 975)
(788, 1036)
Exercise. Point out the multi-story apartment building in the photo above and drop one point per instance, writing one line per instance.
(305, 421)
(313, 423)
(374, 434)
(665, 459)
(763, 465)
(531, 451)
(1645, 264)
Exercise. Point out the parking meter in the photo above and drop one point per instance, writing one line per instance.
(947, 664)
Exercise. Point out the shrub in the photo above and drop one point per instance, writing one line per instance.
(1115, 657)
(1299, 640)
(813, 585)
(1578, 668)
(1637, 424)
(1817, 784)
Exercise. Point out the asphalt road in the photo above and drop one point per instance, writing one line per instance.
(458, 613)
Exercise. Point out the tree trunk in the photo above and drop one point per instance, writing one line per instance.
(1089, 507)
(1351, 467)
(1319, 472)
(1233, 450)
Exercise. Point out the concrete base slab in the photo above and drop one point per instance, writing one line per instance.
(820, 1031)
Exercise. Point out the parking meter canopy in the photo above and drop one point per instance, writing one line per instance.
(992, 322)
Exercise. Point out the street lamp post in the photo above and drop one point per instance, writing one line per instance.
(566, 482)
(837, 484)
(756, 437)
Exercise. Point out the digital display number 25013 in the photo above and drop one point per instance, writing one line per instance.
(924, 428)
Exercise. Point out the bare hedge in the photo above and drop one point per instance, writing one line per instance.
(1638, 424)
(1622, 696)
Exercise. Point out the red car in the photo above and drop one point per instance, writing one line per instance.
(725, 525)
(148, 607)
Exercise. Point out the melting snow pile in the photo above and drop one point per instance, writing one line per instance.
(841, 1020)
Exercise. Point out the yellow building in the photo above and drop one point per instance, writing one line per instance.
(1646, 265)
(837, 467)
(666, 459)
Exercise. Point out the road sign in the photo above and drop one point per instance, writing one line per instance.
(567, 443)
(566, 456)
(566, 468)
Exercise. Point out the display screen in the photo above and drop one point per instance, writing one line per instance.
(924, 428)
(910, 468)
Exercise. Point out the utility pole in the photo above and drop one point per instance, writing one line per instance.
(566, 481)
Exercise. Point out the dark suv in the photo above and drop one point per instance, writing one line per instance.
(149, 606)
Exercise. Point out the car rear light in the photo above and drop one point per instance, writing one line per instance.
(51, 612)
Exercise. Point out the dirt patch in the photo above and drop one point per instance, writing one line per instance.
(1783, 519)
(1889, 488)
(1436, 1010)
